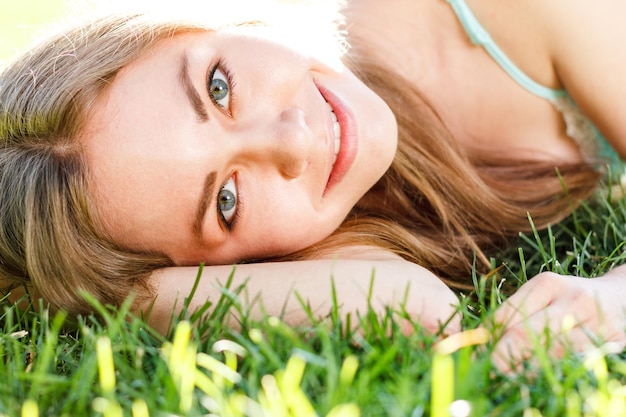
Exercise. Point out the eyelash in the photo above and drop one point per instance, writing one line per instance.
(222, 66)
(238, 210)
(230, 79)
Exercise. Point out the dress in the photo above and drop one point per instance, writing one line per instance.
(579, 128)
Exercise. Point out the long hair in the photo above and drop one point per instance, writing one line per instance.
(434, 206)
(51, 238)
(443, 208)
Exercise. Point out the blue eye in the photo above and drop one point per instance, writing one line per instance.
(227, 201)
(219, 88)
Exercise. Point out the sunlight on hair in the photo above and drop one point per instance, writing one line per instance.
(307, 25)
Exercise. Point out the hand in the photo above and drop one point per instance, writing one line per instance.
(576, 313)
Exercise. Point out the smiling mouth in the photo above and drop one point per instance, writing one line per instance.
(336, 132)
(345, 139)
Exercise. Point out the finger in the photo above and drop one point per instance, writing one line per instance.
(532, 297)
(511, 355)
(546, 333)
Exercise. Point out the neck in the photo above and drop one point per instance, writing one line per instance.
(413, 37)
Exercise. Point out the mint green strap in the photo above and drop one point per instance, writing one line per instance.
(479, 36)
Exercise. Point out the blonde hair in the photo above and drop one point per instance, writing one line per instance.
(51, 237)
(50, 234)
(434, 206)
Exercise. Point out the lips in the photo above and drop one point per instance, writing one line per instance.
(345, 144)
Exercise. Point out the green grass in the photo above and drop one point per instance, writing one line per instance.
(119, 366)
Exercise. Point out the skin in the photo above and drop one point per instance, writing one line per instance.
(432, 50)
(151, 153)
(572, 34)
(550, 41)
(579, 313)
(146, 144)
(560, 45)
(271, 288)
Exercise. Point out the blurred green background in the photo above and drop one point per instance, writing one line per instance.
(20, 19)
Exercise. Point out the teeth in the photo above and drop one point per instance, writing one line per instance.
(332, 114)
(336, 132)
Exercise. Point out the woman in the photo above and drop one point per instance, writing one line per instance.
(138, 148)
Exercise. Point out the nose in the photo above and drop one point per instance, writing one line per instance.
(286, 142)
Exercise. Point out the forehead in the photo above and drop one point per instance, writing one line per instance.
(149, 82)
(144, 113)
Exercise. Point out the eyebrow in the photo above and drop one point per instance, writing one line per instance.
(192, 94)
(208, 190)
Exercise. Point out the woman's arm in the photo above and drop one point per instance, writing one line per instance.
(570, 44)
(271, 288)
(587, 45)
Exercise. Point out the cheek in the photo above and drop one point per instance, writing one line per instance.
(290, 225)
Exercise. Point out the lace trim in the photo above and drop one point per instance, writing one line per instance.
(578, 127)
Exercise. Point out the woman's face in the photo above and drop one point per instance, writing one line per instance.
(230, 146)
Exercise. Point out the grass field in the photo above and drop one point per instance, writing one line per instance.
(119, 367)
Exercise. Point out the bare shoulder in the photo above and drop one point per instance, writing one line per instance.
(586, 43)
(568, 25)
(519, 29)
(571, 44)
